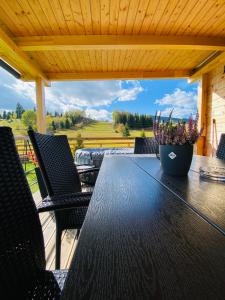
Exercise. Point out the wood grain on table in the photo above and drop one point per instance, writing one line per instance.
(140, 241)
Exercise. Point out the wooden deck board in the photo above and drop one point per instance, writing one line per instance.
(68, 240)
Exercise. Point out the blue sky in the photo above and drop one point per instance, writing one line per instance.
(100, 98)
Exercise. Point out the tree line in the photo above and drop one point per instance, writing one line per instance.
(133, 121)
(55, 121)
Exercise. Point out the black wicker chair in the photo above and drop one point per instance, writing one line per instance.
(22, 258)
(146, 146)
(220, 153)
(61, 179)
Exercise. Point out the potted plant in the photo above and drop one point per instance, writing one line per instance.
(176, 140)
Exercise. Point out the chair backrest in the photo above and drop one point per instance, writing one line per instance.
(220, 153)
(22, 254)
(56, 163)
(146, 146)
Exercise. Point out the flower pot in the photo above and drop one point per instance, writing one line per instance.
(176, 159)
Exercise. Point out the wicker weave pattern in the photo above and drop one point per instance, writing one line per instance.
(61, 179)
(221, 148)
(22, 257)
(56, 162)
(48, 285)
(65, 201)
(146, 146)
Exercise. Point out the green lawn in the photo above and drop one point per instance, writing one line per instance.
(95, 129)
(100, 129)
(31, 177)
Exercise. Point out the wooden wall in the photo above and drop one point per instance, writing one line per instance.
(215, 108)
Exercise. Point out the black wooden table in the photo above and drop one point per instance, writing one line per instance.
(150, 236)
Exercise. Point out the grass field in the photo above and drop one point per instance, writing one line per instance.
(99, 129)
(93, 130)
(102, 130)
(31, 177)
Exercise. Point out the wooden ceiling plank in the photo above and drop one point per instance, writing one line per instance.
(86, 59)
(68, 15)
(75, 63)
(199, 18)
(122, 17)
(13, 16)
(123, 58)
(92, 60)
(179, 7)
(49, 14)
(165, 19)
(194, 18)
(131, 16)
(59, 55)
(148, 17)
(86, 13)
(110, 55)
(37, 11)
(68, 61)
(105, 15)
(143, 6)
(88, 42)
(77, 16)
(58, 12)
(132, 63)
(118, 75)
(158, 15)
(127, 60)
(22, 13)
(96, 16)
(8, 22)
(184, 8)
(217, 22)
(36, 17)
(54, 60)
(115, 61)
(139, 59)
(104, 61)
(113, 16)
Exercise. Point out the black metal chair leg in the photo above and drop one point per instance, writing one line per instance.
(58, 248)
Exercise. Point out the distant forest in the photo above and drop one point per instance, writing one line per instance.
(133, 121)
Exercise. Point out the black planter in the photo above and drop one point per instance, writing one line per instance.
(176, 159)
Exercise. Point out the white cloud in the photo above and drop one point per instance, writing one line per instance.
(23, 88)
(184, 103)
(101, 114)
(64, 96)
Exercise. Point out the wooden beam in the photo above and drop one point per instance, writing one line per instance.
(202, 108)
(40, 101)
(118, 75)
(13, 55)
(122, 42)
(196, 75)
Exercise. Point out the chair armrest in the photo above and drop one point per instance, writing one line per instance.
(65, 202)
(88, 170)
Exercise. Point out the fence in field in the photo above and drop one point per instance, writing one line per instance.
(27, 156)
(23, 141)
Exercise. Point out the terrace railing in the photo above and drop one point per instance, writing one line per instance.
(26, 152)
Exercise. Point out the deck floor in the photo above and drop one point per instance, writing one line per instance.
(68, 240)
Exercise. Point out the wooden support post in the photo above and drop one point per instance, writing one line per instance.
(40, 101)
(202, 109)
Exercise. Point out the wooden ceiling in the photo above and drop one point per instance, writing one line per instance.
(107, 39)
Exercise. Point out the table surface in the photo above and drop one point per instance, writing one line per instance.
(150, 236)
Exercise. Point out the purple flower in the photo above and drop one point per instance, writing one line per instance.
(179, 133)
